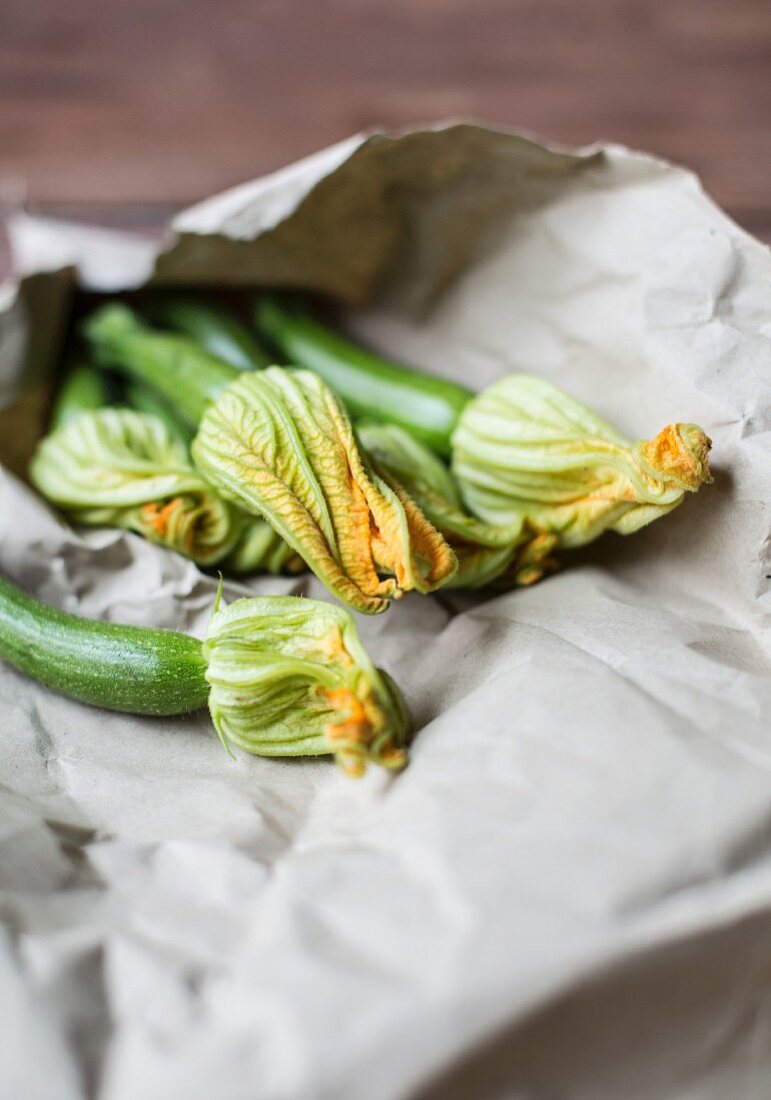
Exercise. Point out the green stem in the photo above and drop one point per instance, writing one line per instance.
(82, 389)
(183, 373)
(124, 668)
(216, 329)
(144, 399)
(370, 386)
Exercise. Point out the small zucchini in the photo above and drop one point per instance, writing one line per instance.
(282, 675)
(145, 399)
(125, 668)
(186, 375)
(369, 386)
(214, 328)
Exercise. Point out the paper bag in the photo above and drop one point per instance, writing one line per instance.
(568, 891)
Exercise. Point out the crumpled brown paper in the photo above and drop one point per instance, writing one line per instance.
(568, 892)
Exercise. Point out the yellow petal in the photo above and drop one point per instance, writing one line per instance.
(280, 444)
(120, 468)
(524, 448)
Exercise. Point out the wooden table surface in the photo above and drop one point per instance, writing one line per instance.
(123, 112)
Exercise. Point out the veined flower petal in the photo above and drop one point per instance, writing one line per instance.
(523, 448)
(120, 468)
(486, 553)
(280, 445)
(290, 677)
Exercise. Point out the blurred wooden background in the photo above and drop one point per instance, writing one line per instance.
(123, 111)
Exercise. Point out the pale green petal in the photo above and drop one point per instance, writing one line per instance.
(280, 445)
(525, 449)
(289, 677)
(486, 553)
(411, 462)
(120, 468)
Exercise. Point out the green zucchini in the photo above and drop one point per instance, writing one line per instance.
(369, 386)
(133, 669)
(282, 675)
(145, 399)
(184, 374)
(214, 328)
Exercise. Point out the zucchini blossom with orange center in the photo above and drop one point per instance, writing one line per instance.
(290, 677)
(280, 445)
(524, 449)
(513, 554)
(119, 468)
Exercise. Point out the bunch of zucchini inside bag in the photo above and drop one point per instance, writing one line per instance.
(273, 445)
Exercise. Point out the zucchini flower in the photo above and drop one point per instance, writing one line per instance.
(258, 549)
(289, 677)
(520, 449)
(279, 444)
(487, 554)
(120, 468)
(282, 676)
(523, 448)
